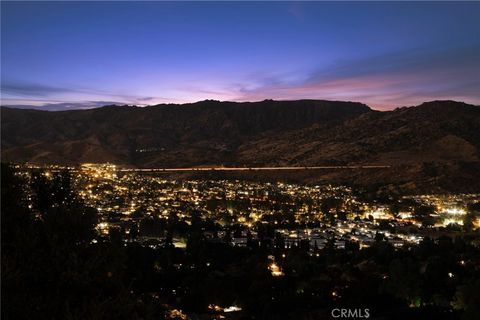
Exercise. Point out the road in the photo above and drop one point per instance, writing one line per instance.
(253, 168)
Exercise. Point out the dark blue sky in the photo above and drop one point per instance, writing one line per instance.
(385, 54)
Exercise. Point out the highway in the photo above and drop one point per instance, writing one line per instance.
(253, 168)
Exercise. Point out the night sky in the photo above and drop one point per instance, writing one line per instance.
(62, 55)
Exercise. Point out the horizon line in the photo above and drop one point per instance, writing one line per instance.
(78, 106)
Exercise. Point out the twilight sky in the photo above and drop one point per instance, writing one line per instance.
(63, 55)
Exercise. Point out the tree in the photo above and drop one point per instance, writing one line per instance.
(394, 209)
(473, 214)
(468, 222)
(52, 190)
(428, 221)
(423, 214)
(50, 267)
(423, 211)
(328, 205)
(404, 280)
(467, 299)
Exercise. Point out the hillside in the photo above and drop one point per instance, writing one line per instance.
(434, 146)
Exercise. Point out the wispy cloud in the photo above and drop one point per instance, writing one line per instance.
(384, 81)
(62, 106)
(24, 94)
(31, 89)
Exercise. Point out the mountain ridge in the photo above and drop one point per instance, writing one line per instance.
(434, 143)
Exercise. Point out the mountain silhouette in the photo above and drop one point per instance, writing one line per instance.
(431, 147)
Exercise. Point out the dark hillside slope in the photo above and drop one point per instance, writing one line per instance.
(433, 146)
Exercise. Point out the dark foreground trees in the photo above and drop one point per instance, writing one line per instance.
(51, 269)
